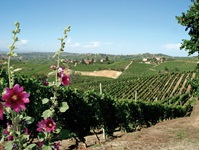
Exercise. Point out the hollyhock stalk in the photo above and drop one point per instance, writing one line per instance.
(12, 53)
(15, 98)
(47, 126)
(15, 122)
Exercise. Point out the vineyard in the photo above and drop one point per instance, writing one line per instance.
(139, 98)
(149, 88)
(48, 98)
(103, 110)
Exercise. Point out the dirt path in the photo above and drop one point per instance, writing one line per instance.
(189, 86)
(177, 84)
(128, 65)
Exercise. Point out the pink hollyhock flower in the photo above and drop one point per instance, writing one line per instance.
(41, 126)
(16, 98)
(1, 111)
(65, 79)
(47, 125)
(60, 69)
(60, 72)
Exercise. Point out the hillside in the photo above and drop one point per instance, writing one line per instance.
(176, 134)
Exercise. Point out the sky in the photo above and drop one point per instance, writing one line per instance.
(122, 27)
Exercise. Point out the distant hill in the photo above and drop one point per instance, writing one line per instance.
(79, 56)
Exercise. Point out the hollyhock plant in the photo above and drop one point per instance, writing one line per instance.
(47, 125)
(16, 98)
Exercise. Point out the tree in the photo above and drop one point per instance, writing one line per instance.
(107, 58)
(190, 20)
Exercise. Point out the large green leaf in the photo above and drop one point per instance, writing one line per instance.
(29, 119)
(64, 107)
(45, 100)
(46, 147)
(9, 145)
(48, 113)
(31, 147)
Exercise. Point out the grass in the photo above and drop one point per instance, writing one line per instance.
(180, 135)
(138, 69)
(179, 65)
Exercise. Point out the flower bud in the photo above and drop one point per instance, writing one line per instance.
(52, 67)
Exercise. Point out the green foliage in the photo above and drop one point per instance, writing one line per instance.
(190, 20)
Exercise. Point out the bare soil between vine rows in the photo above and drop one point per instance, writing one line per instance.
(103, 73)
(176, 134)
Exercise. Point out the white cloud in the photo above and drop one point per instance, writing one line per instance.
(93, 44)
(75, 45)
(172, 46)
(70, 44)
(23, 42)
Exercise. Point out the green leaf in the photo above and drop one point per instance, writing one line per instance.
(51, 73)
(58, 84)
(64, 107)
(64, 134)
(7, 110)
(29, 119)
(17, 119)
(2, 139)
(46, 147)
(31, 147)
(26, 137)
(18, 69)
(9, 145)
(14, 54)
(57, 131)
(45, 100)
(42, 136)
(48, 113)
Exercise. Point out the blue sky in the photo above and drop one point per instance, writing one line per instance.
(97, 26)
